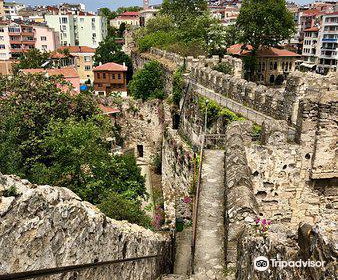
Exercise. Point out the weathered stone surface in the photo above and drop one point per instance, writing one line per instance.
(45, 227)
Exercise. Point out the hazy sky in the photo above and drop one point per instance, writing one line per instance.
(92, 5)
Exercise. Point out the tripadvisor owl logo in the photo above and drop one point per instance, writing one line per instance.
(261, 263)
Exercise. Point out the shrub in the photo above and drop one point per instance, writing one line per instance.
(148, 82)
(224, 67)
(178, 86)
(118, 207)
(12, 191)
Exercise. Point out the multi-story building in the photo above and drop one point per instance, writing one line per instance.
(110, 77)
(2, 11)
(84, 61)
(18, 38)
(310, 47)
(328, 55)
(11, 10)
(274, 64)
(81, 29)
(128, 18)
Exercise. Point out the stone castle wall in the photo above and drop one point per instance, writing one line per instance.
(46, 227)
(178, 177)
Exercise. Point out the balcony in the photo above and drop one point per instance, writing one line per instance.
(28, 42)
(329, 40)
(27, 33)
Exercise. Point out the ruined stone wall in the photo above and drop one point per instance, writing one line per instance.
(307, 243)
(46, 227)
(142, 124)
(241, 205)
(178, 177)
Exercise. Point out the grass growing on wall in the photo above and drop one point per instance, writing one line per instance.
(215, 111)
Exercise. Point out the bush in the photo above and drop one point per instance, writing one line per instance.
(118, 207)
(148, 82)
(224, 67)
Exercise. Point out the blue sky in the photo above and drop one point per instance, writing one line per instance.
(92, 5)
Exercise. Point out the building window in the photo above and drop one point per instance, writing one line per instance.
(81, 20)
(271, 65)
(99, 85)
(64, 20)
(43, 38)
(2, 38)
(87, 68)
(98, 75)
(113, 76)
(2, 47)
(87, 58)
(2, 29)
(44, 47)
(103, 75)
(119, 76)
(275, 66)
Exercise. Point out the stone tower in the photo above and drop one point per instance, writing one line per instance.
(145, 4)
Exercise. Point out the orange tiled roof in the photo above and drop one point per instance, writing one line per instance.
(312, 29)
(111, 66)
(77, 49)
(312, 13)
(130, 14)
(238, 49)
(67, 72)
(108, 110)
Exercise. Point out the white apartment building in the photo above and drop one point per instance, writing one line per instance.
(328, 55)
(11, 10)
(311, 48)
(79, 30)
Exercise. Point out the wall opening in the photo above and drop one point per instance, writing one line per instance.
(140, 151)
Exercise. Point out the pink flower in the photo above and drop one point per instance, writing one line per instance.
(264, 222)
(257, 221)
(186, 199)
(269, 222)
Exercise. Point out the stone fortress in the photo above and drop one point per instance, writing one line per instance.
(288, 175)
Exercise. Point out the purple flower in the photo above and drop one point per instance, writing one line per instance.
(186, 199)
(264, 222)
(269, 222)
(257, 221)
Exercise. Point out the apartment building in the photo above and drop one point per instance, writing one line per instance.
(83, 60)
(328, 55)
(11, 10)
(18, 38)
(310, 47)
(82, 29)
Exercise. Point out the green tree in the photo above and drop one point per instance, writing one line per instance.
(264, 23)
(107, 13)
(50, 136)
(110, 51)
(34, 58)
(148, 82)
(181, 10)
(122, 10)
(231, 36)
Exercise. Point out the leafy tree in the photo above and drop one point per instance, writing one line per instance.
(34, 58)
(148, 82)
(264, 23)
(110, 51)
(50, 136)
(122, 10)
(107, 13)
(121, 30)
(181, 10)
(231, 36)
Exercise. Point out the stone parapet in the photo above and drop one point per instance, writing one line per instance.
(46, 227)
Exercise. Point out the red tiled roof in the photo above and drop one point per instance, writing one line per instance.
(67, 72)
(262, 52)
(312, 29)
(128, 14)
(312, 13)
(77, 49)
(111, 66)
(108, 110)
(56, 54)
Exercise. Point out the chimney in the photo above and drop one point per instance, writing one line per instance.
(124, 64)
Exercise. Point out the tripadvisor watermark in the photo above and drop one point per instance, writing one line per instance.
(263, 263)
